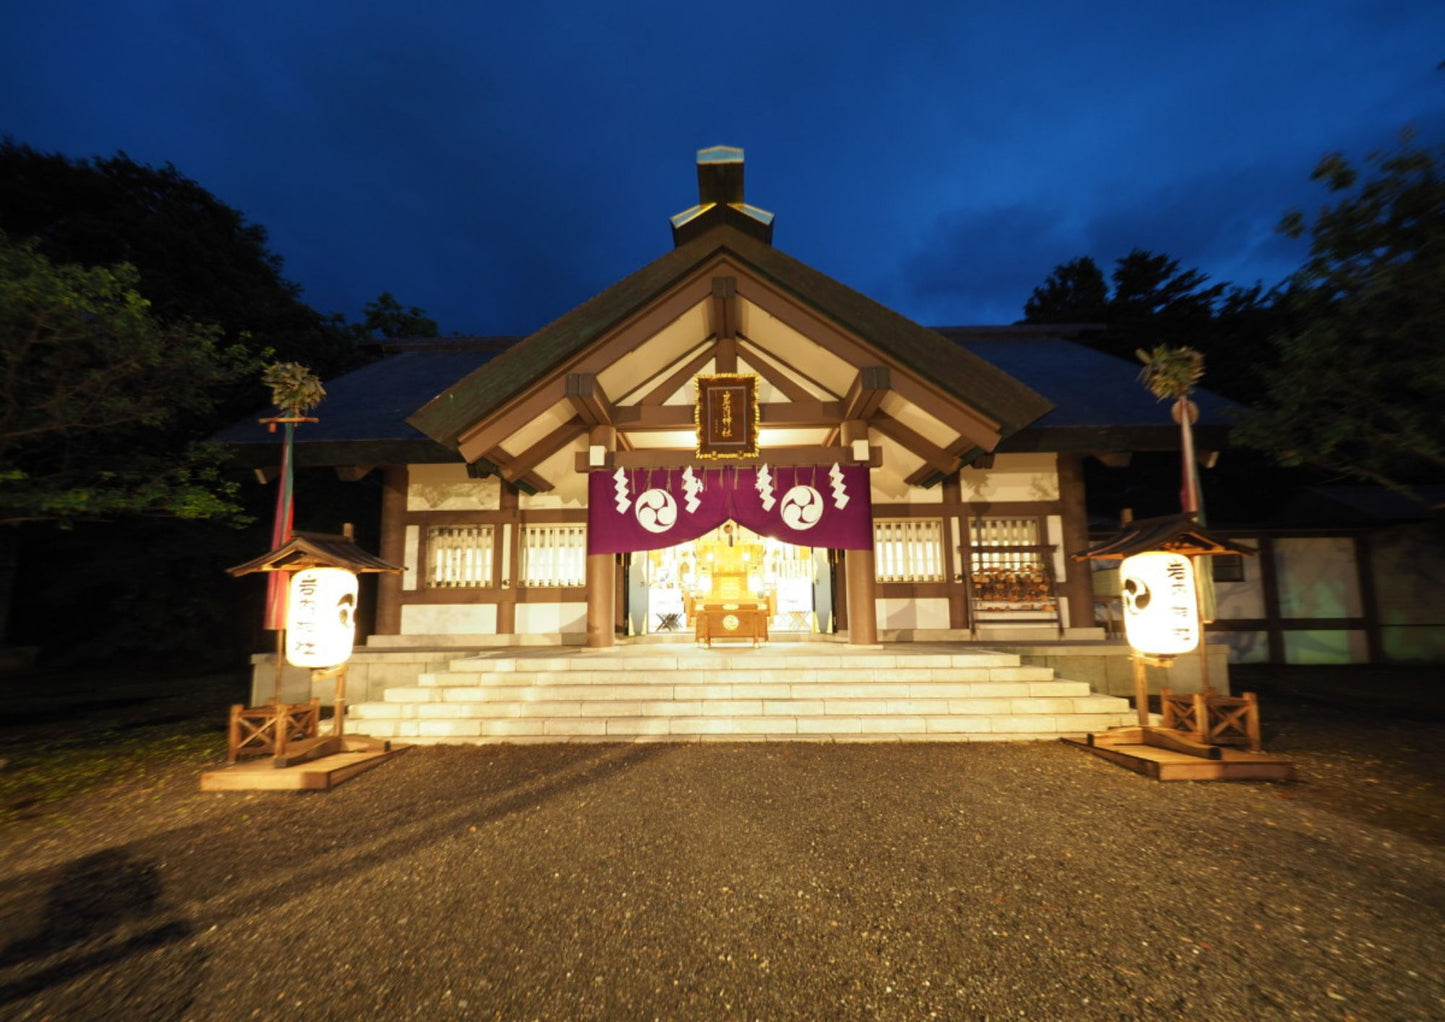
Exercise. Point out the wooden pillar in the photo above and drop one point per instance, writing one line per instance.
(1369, 600)
(392, 549)
(601, 571)
(955, 535)
(505, 547)
(1079, 583)
(1269, 582)
(859, 567)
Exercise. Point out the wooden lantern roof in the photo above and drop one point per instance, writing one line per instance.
(316, 550)
(1179, 534)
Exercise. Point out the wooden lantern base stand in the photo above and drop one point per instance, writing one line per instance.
(1198, 739)
(290, 732)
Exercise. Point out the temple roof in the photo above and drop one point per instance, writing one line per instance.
(1098, 402)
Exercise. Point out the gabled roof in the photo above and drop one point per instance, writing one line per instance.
(1098, 401)
(316, 550)
(966, 377)
(1181, 534)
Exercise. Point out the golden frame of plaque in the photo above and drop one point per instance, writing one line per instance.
(726, 416)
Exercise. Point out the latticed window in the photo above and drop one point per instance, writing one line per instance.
(554, 555)
(1008, 569)
(459, 556)
(908, 549)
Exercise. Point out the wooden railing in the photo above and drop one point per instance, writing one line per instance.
(266, 730)
(1213, 719)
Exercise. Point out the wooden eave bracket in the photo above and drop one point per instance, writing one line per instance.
(586, 395)
(866, 392)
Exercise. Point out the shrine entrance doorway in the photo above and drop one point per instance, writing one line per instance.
(666, 585)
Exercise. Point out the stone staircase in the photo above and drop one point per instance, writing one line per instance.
(780, 692)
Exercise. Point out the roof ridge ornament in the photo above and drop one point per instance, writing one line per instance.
(720, 199)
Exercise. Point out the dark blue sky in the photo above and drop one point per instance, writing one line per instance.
(499, 164)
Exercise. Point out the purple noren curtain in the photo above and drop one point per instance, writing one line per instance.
(647, 509)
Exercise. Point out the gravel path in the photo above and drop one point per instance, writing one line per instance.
(724, 881)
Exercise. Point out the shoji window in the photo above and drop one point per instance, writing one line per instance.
(554, 555)
(459, 556)
(908, 549)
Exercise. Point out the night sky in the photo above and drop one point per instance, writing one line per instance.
(499, 164)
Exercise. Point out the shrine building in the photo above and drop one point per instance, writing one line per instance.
(728, 449)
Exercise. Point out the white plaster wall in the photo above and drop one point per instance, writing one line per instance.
(1233, 600)
(1014, 477)
(1317, 576)
(551, 618)
(448, 488)
(1244, 647)
(931, 612)
(449, 619)
(1325, 647)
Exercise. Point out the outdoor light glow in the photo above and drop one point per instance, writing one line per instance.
(1161, 612)
(321, 617)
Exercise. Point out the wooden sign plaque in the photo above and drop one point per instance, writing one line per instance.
(727, 416)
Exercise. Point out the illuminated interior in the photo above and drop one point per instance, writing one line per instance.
(732, 562)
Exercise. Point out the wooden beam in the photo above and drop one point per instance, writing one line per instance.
(549, 389)
(787, 457)
(935, 458)
(763, 362)
(655, 418)
(586, 395)
(948, 409)
(669, 386)
(724, 308)
(866, 392)
(353, 473)
(518, 469)
(723, 311)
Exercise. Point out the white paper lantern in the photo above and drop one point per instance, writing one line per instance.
(321, 617)
(1161, 611)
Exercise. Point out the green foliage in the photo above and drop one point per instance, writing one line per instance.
(86, 371)
(1356, 383)
(1170, 373)
(295, 390)
(388, 318)
(198, 259)
(1074, 292)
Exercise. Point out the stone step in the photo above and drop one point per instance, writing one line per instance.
(686, 728)
(788, 675)
(506, 709)
(721, 660)
(728, 689)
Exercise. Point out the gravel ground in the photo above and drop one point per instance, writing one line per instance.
(748, 881)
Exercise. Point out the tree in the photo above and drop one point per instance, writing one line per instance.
(90, 381)
(1355, 386)
(87, 376)
(1149, 300)
(1074, 292)
(197, 258)
(387, 318)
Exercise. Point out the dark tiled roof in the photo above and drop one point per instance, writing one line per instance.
(363, 418)
(1088, 387)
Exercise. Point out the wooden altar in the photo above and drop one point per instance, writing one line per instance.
(731, 611)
